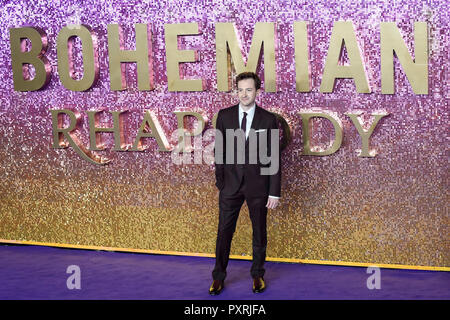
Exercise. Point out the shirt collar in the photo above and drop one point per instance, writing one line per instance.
(250, 112)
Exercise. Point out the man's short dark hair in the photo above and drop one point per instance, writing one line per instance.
(249, 75)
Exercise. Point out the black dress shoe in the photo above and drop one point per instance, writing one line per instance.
(216, 287)
(258, 285)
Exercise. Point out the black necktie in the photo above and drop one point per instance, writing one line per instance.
(244, 123)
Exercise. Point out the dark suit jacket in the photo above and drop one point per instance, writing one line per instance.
(229, 176)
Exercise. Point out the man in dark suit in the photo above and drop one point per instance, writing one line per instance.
(247, 167)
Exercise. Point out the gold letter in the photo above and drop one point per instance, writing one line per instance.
(214, 119)
(35, 56)
(416, 71)
(142, 56)
(175, 56)
(307, 149)
(152, 121)
(343, 34)
(186, 132)
(60, 133)
(303, 73)
(286, 130)
(117, 129)
(263, 37)
(65, 60)
(365, 134)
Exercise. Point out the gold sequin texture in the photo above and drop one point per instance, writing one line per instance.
(391, 209)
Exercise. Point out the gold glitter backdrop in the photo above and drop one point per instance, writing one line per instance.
(389, 209)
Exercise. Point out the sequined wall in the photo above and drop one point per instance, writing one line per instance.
(390, 209)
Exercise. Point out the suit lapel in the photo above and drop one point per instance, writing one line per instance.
(235, 122)
(256, 121)
(256, 118)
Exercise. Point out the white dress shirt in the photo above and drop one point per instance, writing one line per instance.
(250, 115)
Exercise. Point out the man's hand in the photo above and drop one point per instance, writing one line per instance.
(272, 203)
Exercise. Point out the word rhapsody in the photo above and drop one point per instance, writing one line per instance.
(67, 135)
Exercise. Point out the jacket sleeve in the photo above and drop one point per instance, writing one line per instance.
(219, 152)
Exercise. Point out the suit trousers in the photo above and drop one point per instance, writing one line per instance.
(229, 208)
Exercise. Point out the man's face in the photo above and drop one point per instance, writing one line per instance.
(247, 92)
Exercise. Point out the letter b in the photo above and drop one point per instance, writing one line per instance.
(35, 57)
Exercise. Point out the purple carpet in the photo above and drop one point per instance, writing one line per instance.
(36, 272)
